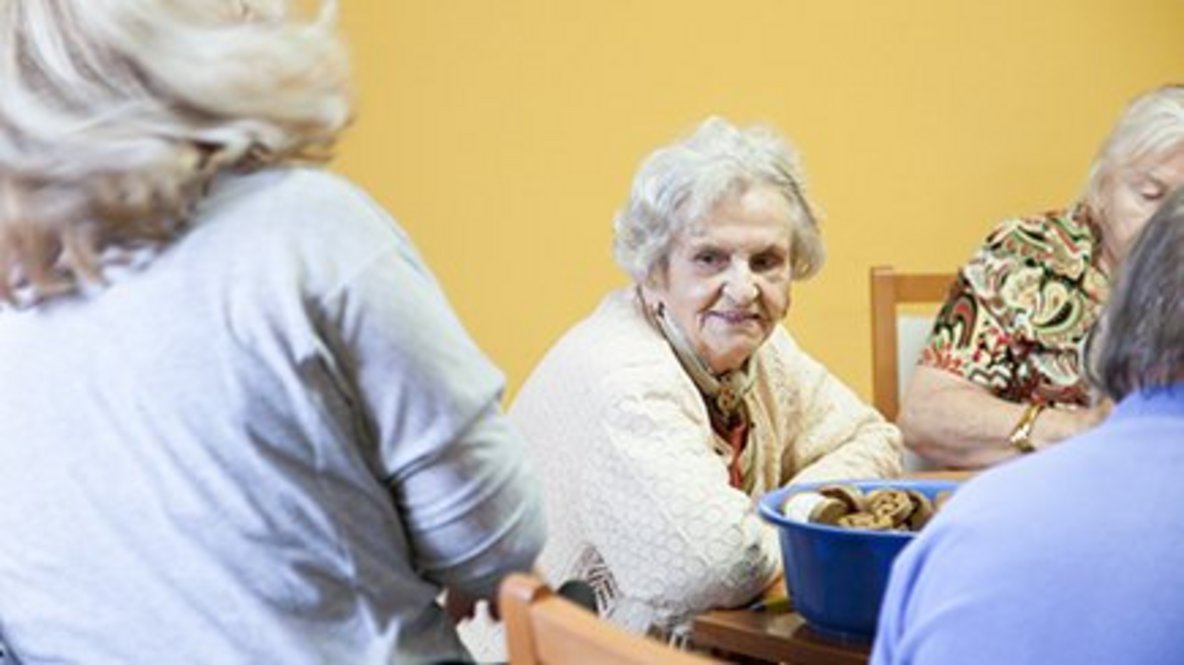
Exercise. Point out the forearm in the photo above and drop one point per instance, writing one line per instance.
(959, 424)
(475, 514)
(841, 436)
(872, 451)
(692, 559)
(659, 510)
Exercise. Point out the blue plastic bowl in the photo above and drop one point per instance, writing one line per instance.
(836, 577)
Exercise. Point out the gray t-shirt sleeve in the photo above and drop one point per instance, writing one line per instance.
(429, 397)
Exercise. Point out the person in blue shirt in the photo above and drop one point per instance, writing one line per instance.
(1071, 556)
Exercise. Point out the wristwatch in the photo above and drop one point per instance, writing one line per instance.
(1021, 435)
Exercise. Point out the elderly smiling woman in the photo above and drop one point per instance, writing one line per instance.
(657, 419)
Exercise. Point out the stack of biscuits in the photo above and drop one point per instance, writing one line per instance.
(885, 509)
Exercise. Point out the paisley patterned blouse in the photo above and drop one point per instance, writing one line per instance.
(1017, 318)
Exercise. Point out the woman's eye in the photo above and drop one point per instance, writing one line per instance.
(1152, 191)
(708, 259)
(1152, 194)
(767, 262)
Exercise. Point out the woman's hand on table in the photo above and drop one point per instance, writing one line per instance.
(1055, 425)
(774, 598)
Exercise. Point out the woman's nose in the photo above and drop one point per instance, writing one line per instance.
(740, 286)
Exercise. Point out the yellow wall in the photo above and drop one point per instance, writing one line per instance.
(503, 133)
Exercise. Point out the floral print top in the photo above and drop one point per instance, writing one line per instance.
(1017, 317)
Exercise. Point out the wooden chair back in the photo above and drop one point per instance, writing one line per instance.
(890, 290)
(544, 628)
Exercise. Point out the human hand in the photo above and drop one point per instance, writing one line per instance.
(1088, 418)
(1102, 408)
(1057, 424)
(459, 605)
(776, 588)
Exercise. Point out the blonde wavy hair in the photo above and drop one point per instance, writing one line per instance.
(116, 114)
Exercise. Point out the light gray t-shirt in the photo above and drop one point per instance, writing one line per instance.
(274, 443)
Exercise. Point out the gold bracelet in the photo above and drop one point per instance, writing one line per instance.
(1021, 435)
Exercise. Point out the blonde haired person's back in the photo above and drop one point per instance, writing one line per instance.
(239, 421)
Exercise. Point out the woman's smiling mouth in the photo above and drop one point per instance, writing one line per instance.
(736, 317)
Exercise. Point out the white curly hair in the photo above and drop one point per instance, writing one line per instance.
(679, 184)
(1151, 124)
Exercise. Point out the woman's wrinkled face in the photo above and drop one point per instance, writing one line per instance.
(1134, 193)
(726, 281)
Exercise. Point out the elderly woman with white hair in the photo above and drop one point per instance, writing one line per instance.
(1002, 373)
(656, 421)
(239, 422)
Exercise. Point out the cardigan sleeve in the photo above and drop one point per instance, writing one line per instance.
(835, 434)
(677, 537)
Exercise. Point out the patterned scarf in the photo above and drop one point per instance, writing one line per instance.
(723, 394)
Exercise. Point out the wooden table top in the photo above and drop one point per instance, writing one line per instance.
(779, 637)
(784, 637)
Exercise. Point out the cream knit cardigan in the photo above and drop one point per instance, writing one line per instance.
(635, 480)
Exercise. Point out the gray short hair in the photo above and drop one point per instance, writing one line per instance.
(114, 114)
(1140, 339)
(677, 185)
(1153, 123)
